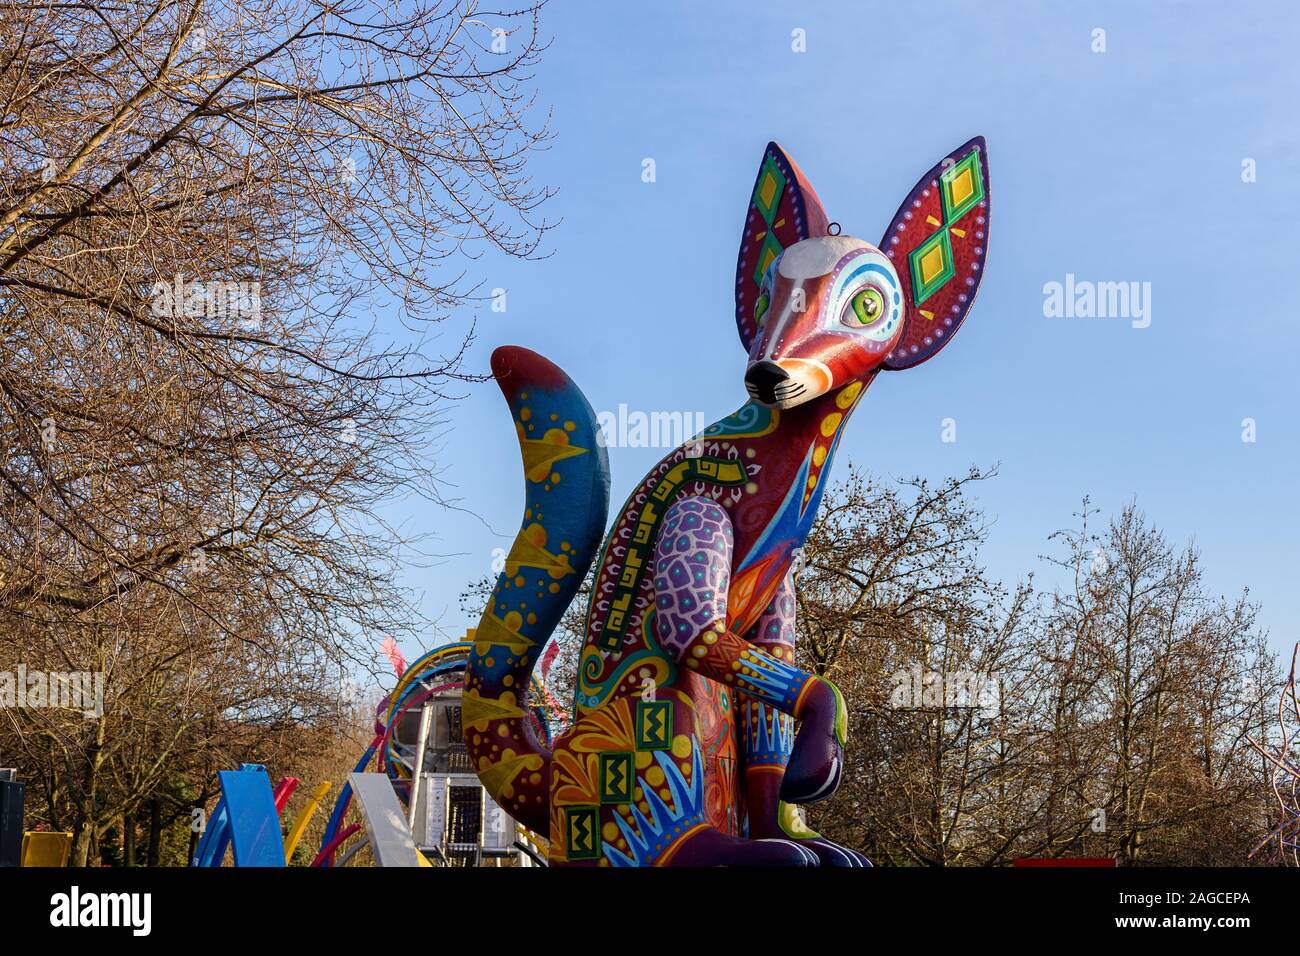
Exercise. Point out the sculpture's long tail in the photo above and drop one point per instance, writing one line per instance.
(566, 484)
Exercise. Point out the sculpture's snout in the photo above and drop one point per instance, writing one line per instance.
(763, 381)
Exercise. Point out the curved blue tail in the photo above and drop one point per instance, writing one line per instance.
(566, 503)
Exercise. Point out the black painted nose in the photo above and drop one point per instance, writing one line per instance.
(763, 377)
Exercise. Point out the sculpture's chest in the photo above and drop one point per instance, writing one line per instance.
(769, 485)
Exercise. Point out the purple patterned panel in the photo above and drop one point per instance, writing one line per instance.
(692, 570)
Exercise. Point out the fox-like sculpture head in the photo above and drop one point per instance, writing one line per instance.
(817, 309)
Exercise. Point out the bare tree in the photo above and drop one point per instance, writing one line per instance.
(204, 208)
(940, 668)
(1106, 718)
(1170, 681)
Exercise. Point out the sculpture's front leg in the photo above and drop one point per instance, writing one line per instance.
(767, 737)
(692, 572)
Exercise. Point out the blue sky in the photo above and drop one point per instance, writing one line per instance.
(1117, 166)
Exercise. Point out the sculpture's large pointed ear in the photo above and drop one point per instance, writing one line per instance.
(783, 209)
(938, 242)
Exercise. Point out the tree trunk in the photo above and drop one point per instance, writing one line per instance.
(155, 833)
(128, 839)
(86, 822)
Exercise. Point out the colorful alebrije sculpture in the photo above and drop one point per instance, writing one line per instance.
(684, 750)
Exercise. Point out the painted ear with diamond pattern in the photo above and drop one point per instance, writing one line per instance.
(783, 209)
(938, 242)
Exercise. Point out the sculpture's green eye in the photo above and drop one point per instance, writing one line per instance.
(760, 307)
(867, 306)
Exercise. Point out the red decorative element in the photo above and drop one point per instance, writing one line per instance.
(514, 367)
(716, 729)
(559, 716)
(548, 658)
(390, 649)
(283, 791)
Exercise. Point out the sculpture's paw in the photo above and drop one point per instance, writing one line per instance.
(778, 852)
(814, 770)
(832, 854)
(817, 759)
(789, 821)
